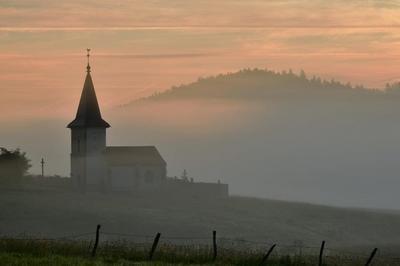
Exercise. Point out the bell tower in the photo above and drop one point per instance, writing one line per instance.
(88, 138)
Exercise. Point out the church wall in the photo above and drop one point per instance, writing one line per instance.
(87, 162)
(151, 176)
(122, 178)
(95, 140)
(136, 177)
(95, 161)
(95, 169)
(78, 151)
(78, 136)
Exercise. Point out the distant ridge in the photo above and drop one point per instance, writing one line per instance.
(263, 83)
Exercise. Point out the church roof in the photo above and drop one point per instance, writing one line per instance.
(128, 155)
(88, 114)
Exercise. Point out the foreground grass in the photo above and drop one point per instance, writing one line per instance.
(29, 259)
(18, 259)
(54, 213)
(34, 252)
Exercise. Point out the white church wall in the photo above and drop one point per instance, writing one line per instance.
(122, 177)
(95, 169)
(87, 161)
(135, 177)
(78, 142)
(151, 176)
(78, 151)
(95, 140)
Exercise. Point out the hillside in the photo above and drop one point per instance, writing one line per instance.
(55, 213)
(275, 135)
(251, 84)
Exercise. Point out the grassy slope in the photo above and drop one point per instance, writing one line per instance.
(54, 214)
(25, 259)
(21, 252)
(16, 259)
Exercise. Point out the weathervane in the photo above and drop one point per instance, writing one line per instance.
(88, 63)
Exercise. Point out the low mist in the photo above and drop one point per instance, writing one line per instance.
(266, 134)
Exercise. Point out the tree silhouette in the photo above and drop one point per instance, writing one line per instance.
(13, 165)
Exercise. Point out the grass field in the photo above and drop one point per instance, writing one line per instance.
(52, 214)
(45, 252)
(245, 227)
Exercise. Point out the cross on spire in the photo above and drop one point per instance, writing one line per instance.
(88, 62)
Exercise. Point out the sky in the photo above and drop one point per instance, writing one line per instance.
(140, 47)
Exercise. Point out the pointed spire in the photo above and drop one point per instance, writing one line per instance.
(88, 61)
(88, 114)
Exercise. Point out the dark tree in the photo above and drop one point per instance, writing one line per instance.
(13, 165)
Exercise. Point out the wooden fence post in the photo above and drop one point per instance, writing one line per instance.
(371, 256)
(265, 258)
(215, 245)
(321, 253)
(154, 246)
(96, 241)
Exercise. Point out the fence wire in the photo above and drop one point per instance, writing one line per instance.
(206, 241)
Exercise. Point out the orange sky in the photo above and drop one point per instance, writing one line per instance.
(144, 46)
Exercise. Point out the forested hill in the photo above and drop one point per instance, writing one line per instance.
(256, 83)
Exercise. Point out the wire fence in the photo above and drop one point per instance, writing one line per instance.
(297, 247)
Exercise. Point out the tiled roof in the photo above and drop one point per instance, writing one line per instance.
(128, 155)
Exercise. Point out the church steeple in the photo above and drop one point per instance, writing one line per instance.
(88, 61)
(88, 114)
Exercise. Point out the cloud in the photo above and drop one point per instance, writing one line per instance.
(158, 56)
(144, 46)
(121, 15)
(198, 27)
(110, 55)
